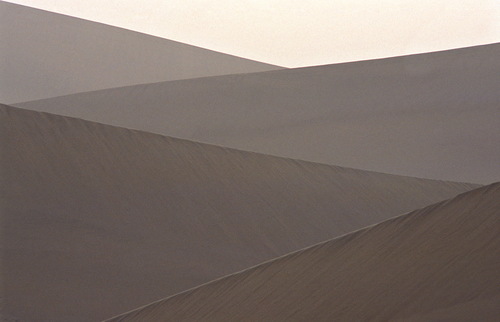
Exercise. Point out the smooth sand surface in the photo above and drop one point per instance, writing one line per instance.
(432, 115)
(98, 220)
(439, 263)
(44, 54)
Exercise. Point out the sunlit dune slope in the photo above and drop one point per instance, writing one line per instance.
(439, 263)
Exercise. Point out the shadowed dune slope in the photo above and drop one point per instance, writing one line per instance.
(432, 115)
(440, 262)
(99, 219)
(44, 54)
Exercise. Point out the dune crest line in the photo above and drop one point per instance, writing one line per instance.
(104, 219)
(439, 262)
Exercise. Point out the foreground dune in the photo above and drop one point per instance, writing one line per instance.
(45, 54)
(432, 115)
(439, 263)
(99, 219)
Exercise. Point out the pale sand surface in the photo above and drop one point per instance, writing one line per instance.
(44, 54)
(432, 115)
(98, 220)
(439, 263)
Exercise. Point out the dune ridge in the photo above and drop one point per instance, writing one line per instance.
(439, 262)
(431, 115)
(98, 219)
(45, 54)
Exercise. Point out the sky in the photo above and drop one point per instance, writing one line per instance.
(297, 33)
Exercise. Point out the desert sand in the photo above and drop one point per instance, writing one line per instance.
(431, 115)
(98, 220)
(439, 263)
(44, 54)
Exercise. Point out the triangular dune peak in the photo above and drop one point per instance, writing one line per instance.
(97, 219)
(439, 263)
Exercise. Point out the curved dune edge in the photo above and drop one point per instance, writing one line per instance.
(429, 115)
(46, 54)
(437, 262)
(98, 219)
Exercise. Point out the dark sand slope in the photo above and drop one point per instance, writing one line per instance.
(437, 263)
(99, 219)
(44, 54)
(433, 115)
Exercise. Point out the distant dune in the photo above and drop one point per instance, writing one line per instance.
(439, 263)
(98, 219)
(44, 54)
(431, 115)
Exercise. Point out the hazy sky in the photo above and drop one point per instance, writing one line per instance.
(295, 33)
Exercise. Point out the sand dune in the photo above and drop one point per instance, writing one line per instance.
(439, 263)
(432, 115)
(45, 54)
(98, 219)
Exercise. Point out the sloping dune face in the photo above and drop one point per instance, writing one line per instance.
(46, 54)
(437, 263)
(98, 220)
(432, 115)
